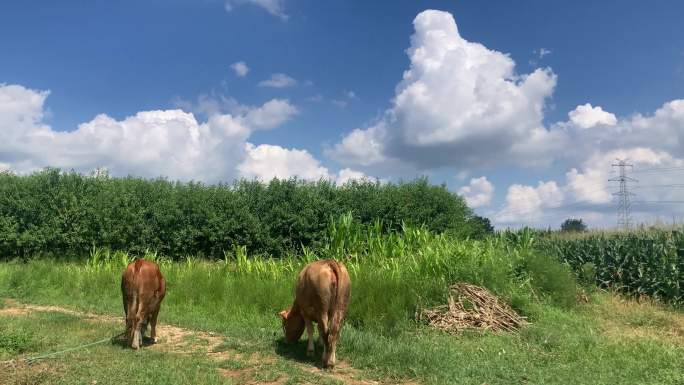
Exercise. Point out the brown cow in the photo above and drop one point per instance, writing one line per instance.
(322, 295)
(143, 288)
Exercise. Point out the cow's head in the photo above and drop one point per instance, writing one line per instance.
(293, 325)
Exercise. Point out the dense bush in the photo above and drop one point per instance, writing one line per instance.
(639, 262)
(67, 214)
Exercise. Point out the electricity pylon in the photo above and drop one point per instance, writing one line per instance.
(623, 194)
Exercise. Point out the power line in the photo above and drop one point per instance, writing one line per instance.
(674, 185)
(659, 169)
(556, 207)
(562, 205)
(665, 202)
(623, 194)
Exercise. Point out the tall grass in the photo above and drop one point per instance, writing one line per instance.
(413, 264)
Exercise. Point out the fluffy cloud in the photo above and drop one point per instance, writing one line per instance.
(274, 7)
(270, 115)
(278, 81)
(171, 143)
(478, 193)
(527, 203)
(590, 131)
(150, 143)
(586, 116)
(588, 191)
(462, 105)
(265, 162)
(591, 183)
(361, 147)
(346, 175)
(240, 68)
(457, 99)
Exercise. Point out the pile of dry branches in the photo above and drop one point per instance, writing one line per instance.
(472, 307)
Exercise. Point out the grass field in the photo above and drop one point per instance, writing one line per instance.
(220, 325)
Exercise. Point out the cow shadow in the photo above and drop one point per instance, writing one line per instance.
(296, 351)
(120, 341)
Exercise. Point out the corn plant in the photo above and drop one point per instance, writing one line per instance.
(639, 263)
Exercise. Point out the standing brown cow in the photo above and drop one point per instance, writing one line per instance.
(322, 295)
(143, 288)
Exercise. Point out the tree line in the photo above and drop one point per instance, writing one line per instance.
(66, 214)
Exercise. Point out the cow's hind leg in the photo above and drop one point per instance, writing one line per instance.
(323, 334)
(131, 310)
(143, 327)
(333, 336)
(137, 326)
(310, 339)
(153, 324)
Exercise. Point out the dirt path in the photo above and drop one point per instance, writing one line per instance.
(176, 340)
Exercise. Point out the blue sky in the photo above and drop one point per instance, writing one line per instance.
(344, 61)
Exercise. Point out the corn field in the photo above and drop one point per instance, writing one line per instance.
(639, 263)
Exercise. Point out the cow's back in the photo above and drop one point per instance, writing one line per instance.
(144, 276)
(322, 287)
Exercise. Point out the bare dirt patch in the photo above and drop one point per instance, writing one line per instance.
(13, 311)
(644, 318)
(345, 373)
(20, 373)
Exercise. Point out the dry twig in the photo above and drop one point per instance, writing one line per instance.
(472, 307)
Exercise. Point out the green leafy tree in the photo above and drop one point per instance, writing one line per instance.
(480, 226)
(573, 225)
(66, 214)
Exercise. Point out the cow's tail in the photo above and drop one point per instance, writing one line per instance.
(337, 302)
(131, 311)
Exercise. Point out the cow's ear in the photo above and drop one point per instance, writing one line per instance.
(283, 314)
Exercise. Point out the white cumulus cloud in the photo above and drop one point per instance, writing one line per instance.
(587, 191)
(240, 68)
(527, 203)
(265, 162)
(278, 81)
(478, 193)
(346, 175)
(171, 143)
(586, 116)
(459, 104)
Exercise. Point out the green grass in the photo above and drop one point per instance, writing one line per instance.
(601, 342)
(106, 363)
(394, 275)
(111, 363)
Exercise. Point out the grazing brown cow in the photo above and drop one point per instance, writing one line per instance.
(322, 295)
(143, 288)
